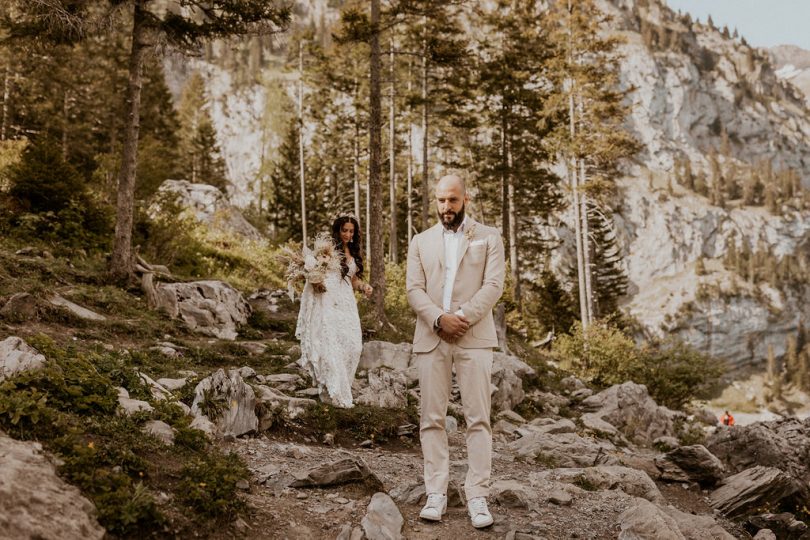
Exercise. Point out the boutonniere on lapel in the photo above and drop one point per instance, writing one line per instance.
(469, 232)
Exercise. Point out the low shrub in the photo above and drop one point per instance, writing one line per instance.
(673, 372)
(208, 484)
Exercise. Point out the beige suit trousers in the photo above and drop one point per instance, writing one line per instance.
(473, 374)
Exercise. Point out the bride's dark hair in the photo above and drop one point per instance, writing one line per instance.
(354, 244)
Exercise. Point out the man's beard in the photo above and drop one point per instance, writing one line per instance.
(455, 219)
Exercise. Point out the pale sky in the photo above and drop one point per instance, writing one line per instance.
(763, 23)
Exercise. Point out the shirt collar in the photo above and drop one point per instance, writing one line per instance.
(460, 228)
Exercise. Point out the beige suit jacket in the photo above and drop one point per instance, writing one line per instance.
(476, 290)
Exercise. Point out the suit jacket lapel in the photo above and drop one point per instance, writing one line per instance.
(464, 244)
(439, 243)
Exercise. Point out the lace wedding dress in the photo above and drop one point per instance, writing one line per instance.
(331, 340)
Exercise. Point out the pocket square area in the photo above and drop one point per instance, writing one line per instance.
(478, 242)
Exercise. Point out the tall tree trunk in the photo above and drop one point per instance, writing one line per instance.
(377, 255)
(410, 155)
(301, 141)
(583, 304)
(586, 245)
(392, 172)
(504, 181)
(121, 264)
(513, 244)
(425, 126)
(572, 170)
(65, 123)
(6, 97)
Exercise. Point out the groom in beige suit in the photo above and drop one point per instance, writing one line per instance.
(454, 278)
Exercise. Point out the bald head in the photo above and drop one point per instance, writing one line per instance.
(451, 196)
(451, 181)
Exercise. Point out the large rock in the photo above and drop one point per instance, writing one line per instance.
(20, 307)
(274, 401)
(383, 520)
(629, 408)
(644, 520)
(691, 464)
(753, 489)
(386, 388)
(511, 493)
(563, 450)
(630, 481)
(128, 406)
(208, 205)
(75, 309)
(35, 502)
(397, 356)
(348, 470)
(782, 525)
(507, 375)
(16, 356)
(226, 400)
(213, 308)
(784, 444)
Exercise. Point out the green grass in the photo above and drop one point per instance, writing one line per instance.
(70, 407)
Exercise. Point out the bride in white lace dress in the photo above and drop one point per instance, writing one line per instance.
(328, 322)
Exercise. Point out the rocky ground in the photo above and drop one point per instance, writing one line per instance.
(570, 461)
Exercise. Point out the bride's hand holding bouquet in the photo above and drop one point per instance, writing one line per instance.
(310, 266)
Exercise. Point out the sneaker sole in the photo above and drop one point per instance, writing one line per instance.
(431, 518)
(485, 525)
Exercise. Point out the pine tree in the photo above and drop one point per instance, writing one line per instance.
(201, 162)
(513, 59)
(592, 142)
(67, 21)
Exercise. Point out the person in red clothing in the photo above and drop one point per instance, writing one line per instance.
(727, 419)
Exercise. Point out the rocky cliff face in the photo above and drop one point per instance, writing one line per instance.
(793, 64)
(693, 87)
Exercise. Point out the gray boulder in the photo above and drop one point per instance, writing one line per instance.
(227, 401)
(273, 402)
(16, 356)
(784, 444)
(752, 489)
(511, 493)
(644, 520)
(782, 525)
(629, 408)
(383, 520)
(396, 356)
(386, 388)
(563, 450)
(75, 309)
(211, 307)
(348, 470)
(629, 481)
(508, 373)
(691, 464)
(161, 430)
(35, 502)
(128, 406)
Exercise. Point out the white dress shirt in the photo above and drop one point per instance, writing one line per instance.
(452, 241)
(452, 244)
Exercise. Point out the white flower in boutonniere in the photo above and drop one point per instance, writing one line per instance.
(469, 232)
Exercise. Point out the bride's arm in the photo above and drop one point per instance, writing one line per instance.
(359, 285)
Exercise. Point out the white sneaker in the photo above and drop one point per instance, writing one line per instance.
(479, 513)
(435, 507)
